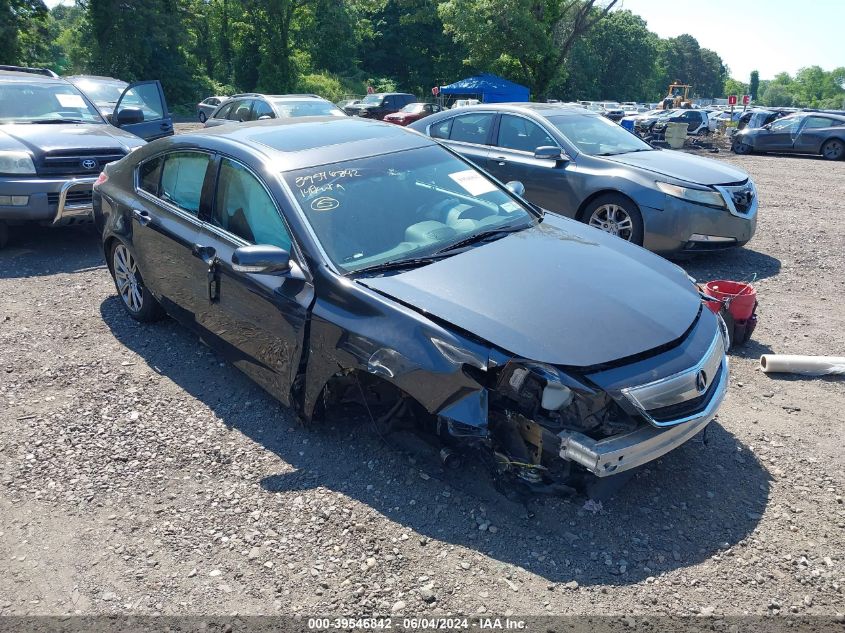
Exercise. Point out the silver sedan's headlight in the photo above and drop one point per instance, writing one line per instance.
(699, 196)
(16, 163)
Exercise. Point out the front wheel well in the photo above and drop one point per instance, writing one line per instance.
(580, 215)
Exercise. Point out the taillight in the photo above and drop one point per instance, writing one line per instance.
(101, 179)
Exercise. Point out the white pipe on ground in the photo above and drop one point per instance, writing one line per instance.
(805, 365)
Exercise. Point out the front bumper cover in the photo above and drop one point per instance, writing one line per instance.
(616, 454)
(51, 201)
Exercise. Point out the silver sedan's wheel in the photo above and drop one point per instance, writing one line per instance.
(834, 149)
(613, 219)
(127, 279)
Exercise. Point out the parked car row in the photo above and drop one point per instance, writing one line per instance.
(799, 133)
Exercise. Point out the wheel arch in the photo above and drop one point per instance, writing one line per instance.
(602, 192)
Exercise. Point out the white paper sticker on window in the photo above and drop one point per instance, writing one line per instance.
(474, 183)
(70, 101)
(510, 207)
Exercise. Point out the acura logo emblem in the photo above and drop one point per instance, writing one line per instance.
(701, 381)
(89, 163)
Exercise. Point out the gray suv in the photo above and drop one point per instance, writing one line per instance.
(54, 143)
(577, 163)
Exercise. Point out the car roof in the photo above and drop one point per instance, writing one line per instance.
(17, 76)
(297, 143)
(95, 78)
(544, 109)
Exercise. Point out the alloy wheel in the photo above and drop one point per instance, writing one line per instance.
(613, 219)
(127, 279)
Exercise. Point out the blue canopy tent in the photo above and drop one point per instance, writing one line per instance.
(486, 88)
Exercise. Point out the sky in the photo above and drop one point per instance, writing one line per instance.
(770, 36)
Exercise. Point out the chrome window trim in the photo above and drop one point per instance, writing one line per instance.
(684, 383)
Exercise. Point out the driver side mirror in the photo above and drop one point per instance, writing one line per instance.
(130, 116)
(264, 117)
(768, 126)
(516, 187)
(262, 260)
(550, 152)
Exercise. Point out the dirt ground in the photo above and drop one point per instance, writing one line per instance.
(140, 474)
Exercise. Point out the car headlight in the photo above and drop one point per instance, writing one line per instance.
(699, 196)
(16, 163)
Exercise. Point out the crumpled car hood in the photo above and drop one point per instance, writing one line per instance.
(560, 293)
(682, 166)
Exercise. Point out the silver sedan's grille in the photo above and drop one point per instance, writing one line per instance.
(740, 198)
(685, 395)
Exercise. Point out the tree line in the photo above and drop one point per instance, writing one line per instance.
(562, 49)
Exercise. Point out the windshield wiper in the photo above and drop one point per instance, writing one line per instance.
(397, 264)
(49, 121)
(481, 237)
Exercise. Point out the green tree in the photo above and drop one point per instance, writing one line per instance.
(18, 19)
(776, 95)
(529, 40)
(754, 85)
(734, 87)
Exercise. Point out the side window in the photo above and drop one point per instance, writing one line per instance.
(146, 98)
(389, 102)
(472, 128)
(408, 99)
(521, 134)
(149, 175)
(785, 125)
(182, 178)
(260, 109)
(442, 129)
(243, 207)
(815, 122)
(224, 111)
(239, 112)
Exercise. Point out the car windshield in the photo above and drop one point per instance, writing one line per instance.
(597, 136)
(101, 91)
(400, 206)
(372, 99)
(311, 107)
(413, 108)
(25, 102)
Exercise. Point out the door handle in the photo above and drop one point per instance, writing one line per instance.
(143, 217)
(166, 126)
(208, 254)
(501, 160)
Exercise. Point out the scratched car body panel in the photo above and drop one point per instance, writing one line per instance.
(352, 261)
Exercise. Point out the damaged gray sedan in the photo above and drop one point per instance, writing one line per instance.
(344, 260)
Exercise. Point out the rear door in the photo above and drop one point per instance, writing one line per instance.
(547, 182)
(171, 188)
(812, 134)
(468, 134)
(257, 321)
(142, 110)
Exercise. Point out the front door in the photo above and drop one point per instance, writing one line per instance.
(142, 110)
(165, 228)
(257, 321)
(778, 136)
(547, 182)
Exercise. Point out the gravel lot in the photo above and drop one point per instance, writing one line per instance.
(140, 474)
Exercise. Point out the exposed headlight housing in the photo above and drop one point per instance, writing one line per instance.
(16, 163)
(699, 196)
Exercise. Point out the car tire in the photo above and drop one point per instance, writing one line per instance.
(203, 117)
(833, 149)
(136, 299)
(4, 234)
(741, 148)
(615, 214)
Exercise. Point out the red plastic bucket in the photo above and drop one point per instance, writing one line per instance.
(740, 298)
